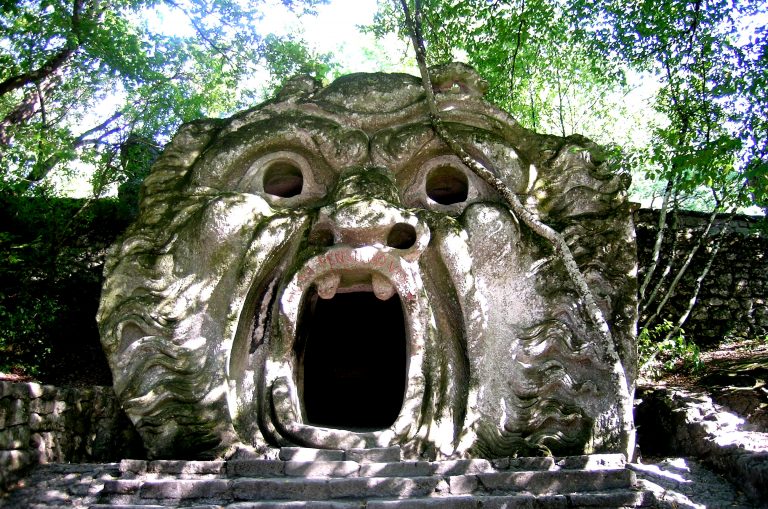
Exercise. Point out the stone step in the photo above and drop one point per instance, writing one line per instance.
(374, 479)
(359, 467)
(131, 469)
(618, 499)
(374, 455)
(330, 488)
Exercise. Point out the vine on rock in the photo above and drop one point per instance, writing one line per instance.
(558, 243)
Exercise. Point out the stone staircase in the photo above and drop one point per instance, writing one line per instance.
(375, 479)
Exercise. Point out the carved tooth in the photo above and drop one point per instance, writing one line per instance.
(327, 285)
(382, 288)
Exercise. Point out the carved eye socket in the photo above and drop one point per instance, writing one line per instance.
(283, 179)
(447, 185)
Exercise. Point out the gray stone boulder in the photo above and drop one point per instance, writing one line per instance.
(321, 270)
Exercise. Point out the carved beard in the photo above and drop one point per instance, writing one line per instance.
(227, 308)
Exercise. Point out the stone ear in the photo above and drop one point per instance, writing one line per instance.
(457, 78)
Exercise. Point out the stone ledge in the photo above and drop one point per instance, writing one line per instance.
(676, 421)
(42, 424)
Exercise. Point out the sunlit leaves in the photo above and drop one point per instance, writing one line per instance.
(558, 67)
(83, 76)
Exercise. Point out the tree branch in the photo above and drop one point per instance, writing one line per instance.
(560, 246)
(518, 44)
(659, 239)
(558, 242)
(53, 64)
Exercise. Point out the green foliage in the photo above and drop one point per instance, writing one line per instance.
(566, 67)
(535, 68)
(712, 75)
(659, 354)
(287, 57)
(51, 256)
(79, 79)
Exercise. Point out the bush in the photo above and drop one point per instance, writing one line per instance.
(660, 354)
(51, 258)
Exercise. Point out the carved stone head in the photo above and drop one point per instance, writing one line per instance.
(323, 271)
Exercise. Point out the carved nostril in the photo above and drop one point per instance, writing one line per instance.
(401, 236)
(321, 236)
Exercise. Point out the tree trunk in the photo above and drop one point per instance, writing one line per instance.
(673, 285)
(659, 240)
(697, 286)
(43, 73)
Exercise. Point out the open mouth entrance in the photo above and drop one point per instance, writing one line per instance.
(352, 357)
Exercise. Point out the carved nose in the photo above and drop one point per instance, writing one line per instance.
(369, 219)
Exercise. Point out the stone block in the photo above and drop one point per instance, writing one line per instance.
(382, 487)
(525, 463)
(11, 461)
(16, 437)
(375, 455)
(617, 498)
(121, 486)
(177, 489)
(315, 504)
(461, 467)
(255, 468)
(426, 503)
(186, 467)
(308, 454)
(592, 461)
(5, 389)
(400, 469)
(462, 484)
(24, 390)
(525, 501)
(280, 489)
(13, 412)
(42, 406)
(321, 468)
(133, 466)
(36, 422)
(127, 506)
(554, 482)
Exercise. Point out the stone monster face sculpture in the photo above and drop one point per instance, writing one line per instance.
(322, 271)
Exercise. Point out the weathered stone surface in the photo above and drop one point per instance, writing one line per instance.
(185, 489)
(677, 421)
(321, 468)
(43, 424)
(255, 468)
(308, 454)
(399, 469)
(374, 455)
(733, 298)
(322, 270)
(186, 467)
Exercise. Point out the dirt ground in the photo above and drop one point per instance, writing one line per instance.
(735, 375)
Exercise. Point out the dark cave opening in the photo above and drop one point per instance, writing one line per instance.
(352, 361)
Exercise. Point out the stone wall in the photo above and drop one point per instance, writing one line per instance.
(46, 424)
(732, 300)
(681, 422)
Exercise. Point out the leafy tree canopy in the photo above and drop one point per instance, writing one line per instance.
(567, 66)
(82, 81)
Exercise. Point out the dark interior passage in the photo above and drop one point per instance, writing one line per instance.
(352, 359)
